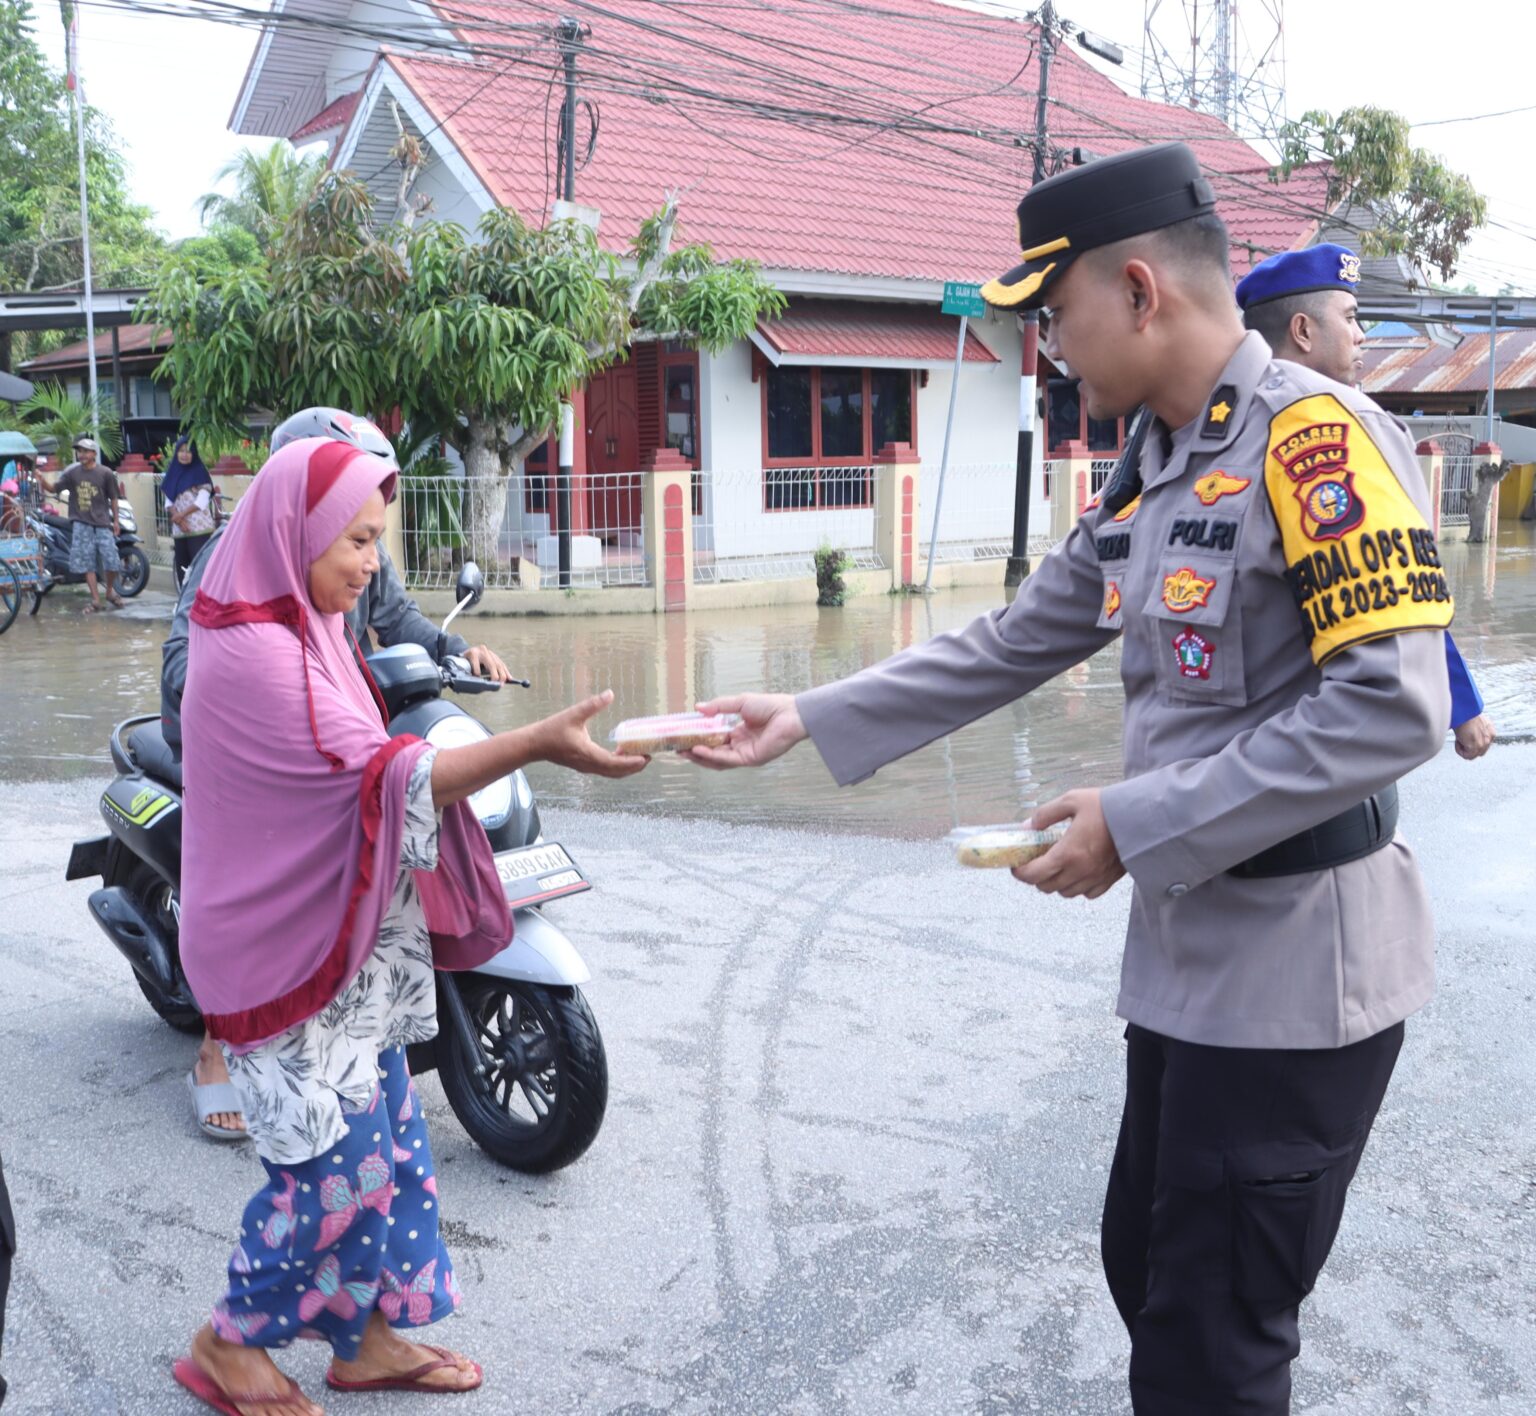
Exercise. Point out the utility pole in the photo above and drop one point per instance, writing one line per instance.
(1018, 561)
(72, 65)
(570, 33)
(1053, 29)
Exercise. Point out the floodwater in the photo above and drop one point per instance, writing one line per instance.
(67, 677)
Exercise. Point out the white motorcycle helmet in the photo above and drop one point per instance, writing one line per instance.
(339, 424)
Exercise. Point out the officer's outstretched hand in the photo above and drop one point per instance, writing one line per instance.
(770, 726)
(1086, 861)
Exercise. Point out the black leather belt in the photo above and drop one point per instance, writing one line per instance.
(1348, 836)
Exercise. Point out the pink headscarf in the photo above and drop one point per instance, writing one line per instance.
(295, 792)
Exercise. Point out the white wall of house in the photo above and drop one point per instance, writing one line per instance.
(978, 501)
(450, 202)
(353, 54)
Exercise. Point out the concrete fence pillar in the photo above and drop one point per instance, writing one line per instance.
(138, 484)
(667, 508)
(898, 474)
(1432, 465)
(1071, 488)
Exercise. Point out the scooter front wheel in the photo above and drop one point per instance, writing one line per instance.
(533, 1095)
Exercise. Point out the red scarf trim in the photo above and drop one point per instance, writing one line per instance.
(304, 1000)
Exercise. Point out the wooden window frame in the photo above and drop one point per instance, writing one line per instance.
(817, 462)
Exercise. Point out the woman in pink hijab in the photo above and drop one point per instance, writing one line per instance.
(328, 869)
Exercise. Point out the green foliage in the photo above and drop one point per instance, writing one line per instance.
(222, 252)
(430, 496)
(1424, 209)
(830, 565)
(52, 413)
(269, 187)
(473, 341)
(39, 178)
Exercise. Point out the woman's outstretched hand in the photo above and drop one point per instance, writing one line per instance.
(770, 726)
(564, 739)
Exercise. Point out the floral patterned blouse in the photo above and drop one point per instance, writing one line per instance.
(293, 1084)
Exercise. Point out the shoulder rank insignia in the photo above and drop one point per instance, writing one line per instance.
(1184, 590)
(1218, 415)
(1215, 485)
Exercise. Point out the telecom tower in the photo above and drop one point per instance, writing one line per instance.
(1220, 58)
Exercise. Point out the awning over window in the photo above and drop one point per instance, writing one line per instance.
(865, 335)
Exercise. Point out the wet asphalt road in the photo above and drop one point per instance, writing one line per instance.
(862, 1109)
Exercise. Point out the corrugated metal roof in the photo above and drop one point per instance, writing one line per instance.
(135, 341)
(843, 329)
(1399, 366)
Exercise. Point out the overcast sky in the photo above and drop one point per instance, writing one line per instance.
(169, 85)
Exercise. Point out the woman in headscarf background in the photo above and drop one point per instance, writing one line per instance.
(188, 492)
(327, 870)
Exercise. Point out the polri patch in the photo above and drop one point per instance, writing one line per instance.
(1212, 487)
(1193, 653)
(1184, 591)
(1218, 415)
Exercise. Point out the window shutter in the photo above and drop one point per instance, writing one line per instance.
(647, 396)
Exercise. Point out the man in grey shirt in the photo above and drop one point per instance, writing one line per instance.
(1267, 566)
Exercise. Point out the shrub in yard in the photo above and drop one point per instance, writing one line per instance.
(830, 565)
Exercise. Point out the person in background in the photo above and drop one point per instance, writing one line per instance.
(188, 493)
(92, 494)
(1305, 306)
(384, 611)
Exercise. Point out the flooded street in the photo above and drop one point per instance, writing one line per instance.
(66, 678)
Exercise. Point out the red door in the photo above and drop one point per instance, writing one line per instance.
(613, 453)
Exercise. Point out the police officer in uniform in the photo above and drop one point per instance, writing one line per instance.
(1304, 304)
(1268, 567)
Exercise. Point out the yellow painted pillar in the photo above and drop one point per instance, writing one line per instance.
(666, 489)
(898, 473)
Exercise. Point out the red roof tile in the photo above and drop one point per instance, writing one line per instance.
(333, 115)
(136, 341)
(800, 132)
(845, 329)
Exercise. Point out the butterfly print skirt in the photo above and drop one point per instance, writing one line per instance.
(324, 1243)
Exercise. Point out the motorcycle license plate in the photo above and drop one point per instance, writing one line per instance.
(535, 874)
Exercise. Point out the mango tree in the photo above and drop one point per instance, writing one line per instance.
(476, 338)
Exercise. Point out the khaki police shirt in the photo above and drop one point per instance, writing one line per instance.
(1282, 607)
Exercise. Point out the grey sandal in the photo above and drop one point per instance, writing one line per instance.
(210, 1100)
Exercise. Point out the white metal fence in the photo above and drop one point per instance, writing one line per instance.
(506, 524)
(976, 518)
(1456, 479)
(767, 523)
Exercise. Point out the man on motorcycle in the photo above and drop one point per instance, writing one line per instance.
(385, 610)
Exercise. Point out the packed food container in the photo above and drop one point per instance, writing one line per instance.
(1003, 847)
(674, 732)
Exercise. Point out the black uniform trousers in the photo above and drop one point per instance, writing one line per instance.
(7, 1248)
(1225, 1195)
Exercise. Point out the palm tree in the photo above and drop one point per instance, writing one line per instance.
(269, 187)
(52, 413)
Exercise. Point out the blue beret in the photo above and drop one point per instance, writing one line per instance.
(1295, 272)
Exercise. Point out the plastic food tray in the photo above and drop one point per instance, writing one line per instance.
(674, 732)
(1003, 847)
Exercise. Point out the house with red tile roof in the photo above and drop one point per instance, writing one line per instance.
(863, 152)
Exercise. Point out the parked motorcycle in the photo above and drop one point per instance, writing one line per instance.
(518, 1051)
(55, 532)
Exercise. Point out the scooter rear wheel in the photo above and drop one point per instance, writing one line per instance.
(539, 1101)
(154, 895)
(135, 573)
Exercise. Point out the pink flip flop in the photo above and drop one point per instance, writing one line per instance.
(412, 1380)
(202, 1386)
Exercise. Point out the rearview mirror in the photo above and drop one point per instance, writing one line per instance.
(470, 585)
